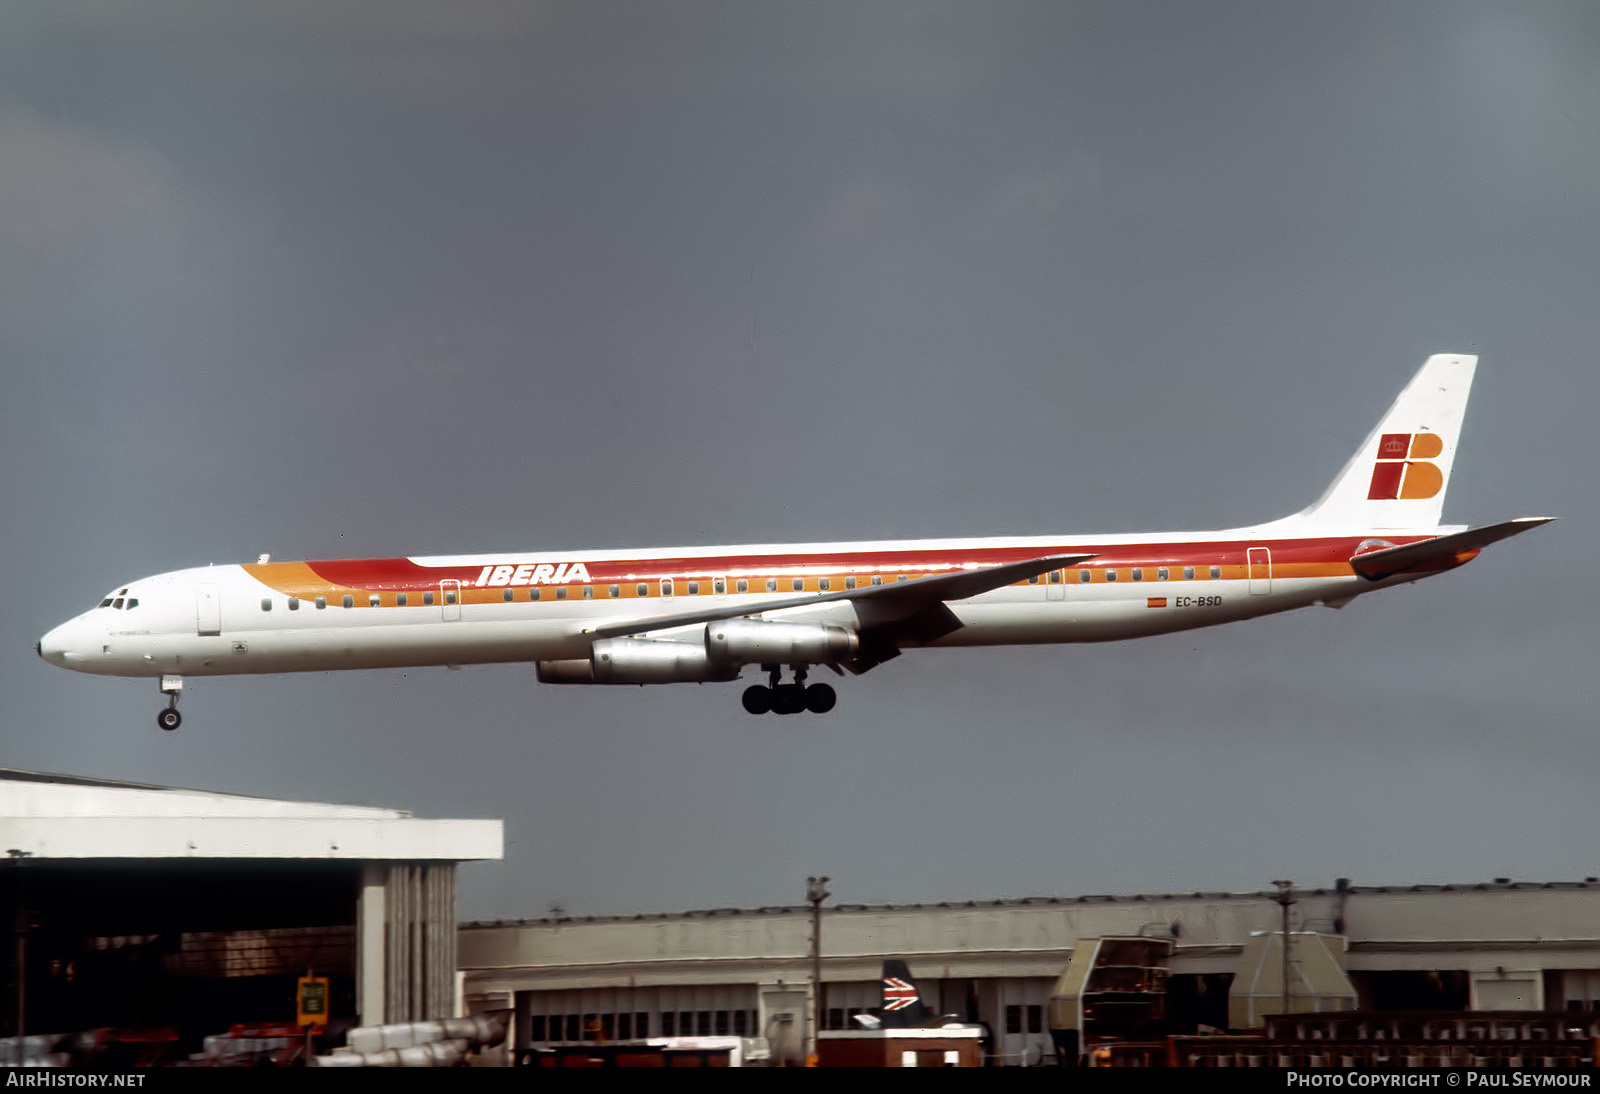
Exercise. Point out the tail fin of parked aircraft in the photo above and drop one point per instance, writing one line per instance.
(902, 1003)
(1398, 476)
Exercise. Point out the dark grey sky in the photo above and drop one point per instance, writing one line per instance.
(336, 279)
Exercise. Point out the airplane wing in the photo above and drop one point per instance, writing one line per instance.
(917, 605)
(1442, 551)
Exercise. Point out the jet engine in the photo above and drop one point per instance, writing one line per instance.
(760, 642)
(727, 645)
(637, 661)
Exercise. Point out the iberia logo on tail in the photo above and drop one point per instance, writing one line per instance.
(1403, 470)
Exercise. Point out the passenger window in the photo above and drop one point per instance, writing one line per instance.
(616, 590)
(294, 605)
(400, 600)
(666, 588)
(507, 595)
(772, 584)
(902, 577)
(533, 594)
(642, 590)
(1216, 571)
(1161, 573)
(450, 596)
(322, 602)
(1188, 573)
(694, 588)
(349, 601)
(850, 582)
(719, 586)
(799, 584)
(1055, 577)
(1111, 575)
(266, 604)
(743, 586)
(374, 600)
(1138, 574)
(877, 579)
(588, 592)
(561, 593)
(824, 584)
(427, 598)
(1084, 576)
(1034, 580)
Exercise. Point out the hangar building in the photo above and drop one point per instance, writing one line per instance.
(187, 911)
(1500, 945)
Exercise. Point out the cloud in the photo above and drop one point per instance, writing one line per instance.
(82, 209)
(425, 51)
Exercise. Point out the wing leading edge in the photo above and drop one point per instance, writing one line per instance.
(917, 604)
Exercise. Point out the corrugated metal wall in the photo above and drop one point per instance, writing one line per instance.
(420, 941)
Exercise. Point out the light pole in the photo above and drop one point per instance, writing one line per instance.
(1285, 899)
(816, 893)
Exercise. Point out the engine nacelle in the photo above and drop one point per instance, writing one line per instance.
(760, 642)
(637, 661)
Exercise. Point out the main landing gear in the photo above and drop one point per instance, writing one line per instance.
(788, 698)
(169, 719)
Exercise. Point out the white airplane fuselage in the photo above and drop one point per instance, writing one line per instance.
(289, 617)
(701, 614)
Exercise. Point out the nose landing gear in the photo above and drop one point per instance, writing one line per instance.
(169, 719)
(788, 698)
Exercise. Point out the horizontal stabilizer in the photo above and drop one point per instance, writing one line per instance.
(1441, 552)
(907, 597)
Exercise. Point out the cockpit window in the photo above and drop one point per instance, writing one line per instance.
(117, 603)
(133, 602)
(106, 603)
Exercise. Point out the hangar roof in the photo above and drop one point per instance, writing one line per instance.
(1499, 884)
(51, 816)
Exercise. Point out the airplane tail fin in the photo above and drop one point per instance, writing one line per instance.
(1397, 478)
(902, 1003)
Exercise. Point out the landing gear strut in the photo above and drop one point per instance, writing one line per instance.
(169, 719)
(788, 698)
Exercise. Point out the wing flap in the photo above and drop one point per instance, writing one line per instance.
(884, 604)
(1440, 552)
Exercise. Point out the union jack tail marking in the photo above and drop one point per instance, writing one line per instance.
(897, 993)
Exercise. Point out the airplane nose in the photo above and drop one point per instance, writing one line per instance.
(53, 646)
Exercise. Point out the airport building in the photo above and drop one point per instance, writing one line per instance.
(1496, 946)
(179, 913)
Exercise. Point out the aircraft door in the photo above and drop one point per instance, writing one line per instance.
(450, 599)
(1260, 571)
(207, 610)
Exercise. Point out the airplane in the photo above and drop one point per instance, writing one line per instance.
(901, 1006)
(702, 614)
